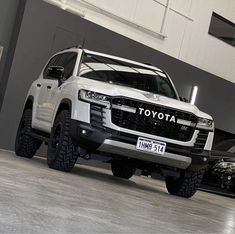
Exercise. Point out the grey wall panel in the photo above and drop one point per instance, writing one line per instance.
(8, 15)
(46, 29)
(8, 11)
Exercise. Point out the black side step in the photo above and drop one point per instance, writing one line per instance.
(40, 135)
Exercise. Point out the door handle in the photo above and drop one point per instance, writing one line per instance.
(39, 85)
(48, 87)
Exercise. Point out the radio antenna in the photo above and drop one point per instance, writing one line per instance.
(83, 43)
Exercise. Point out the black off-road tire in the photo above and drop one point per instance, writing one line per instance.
(26, 145)
(121, 169)
(61, 154)
(186, 185)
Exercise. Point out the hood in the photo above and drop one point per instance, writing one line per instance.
(118, 90)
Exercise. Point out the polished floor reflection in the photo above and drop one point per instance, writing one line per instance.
(36, 199)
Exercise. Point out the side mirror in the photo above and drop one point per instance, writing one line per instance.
(183, 99)
(56, 72)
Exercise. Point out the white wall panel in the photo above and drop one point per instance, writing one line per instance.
(183, 6)
(175, 28)
(230, 10)
(152, 18)
(125, 8)
(203, 50)
(158, 1)
(186, 28)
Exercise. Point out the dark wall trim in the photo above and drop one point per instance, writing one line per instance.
(11, 50)
(223, 19)
(222, 29)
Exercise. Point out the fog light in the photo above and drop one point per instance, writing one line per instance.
(229, 177)
(204, 159)
(84, 131)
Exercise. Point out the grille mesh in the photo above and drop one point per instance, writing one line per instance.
(141, 123)
(136, 122)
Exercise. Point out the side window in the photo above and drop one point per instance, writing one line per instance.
(66, 60)
(52, 62)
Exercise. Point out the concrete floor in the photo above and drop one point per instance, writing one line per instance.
(36, 199)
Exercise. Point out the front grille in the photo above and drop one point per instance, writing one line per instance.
(141, 123)
(96, 116)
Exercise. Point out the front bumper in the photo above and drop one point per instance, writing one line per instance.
(123, 144)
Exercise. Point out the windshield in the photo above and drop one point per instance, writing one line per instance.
(125, 74)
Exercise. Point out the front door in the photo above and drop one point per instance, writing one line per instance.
(50, 90)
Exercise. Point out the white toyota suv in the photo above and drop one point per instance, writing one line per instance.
(93, 105)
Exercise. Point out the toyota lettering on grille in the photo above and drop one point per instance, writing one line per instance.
(157, 115)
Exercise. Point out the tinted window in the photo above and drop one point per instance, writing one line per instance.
(66, 60)
(128, 75)
(52, 62)
(222, 28)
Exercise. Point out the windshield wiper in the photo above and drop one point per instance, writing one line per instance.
(100, 61)
(93, 70)
(123, 64)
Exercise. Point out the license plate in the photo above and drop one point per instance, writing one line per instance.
(149, 145)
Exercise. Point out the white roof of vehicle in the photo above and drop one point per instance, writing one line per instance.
(122, 60)
(113, 57)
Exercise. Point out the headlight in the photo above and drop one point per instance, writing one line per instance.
(205, 123)
(94, 97)
(226, 165)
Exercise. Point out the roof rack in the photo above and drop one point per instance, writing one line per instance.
(149, 64)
